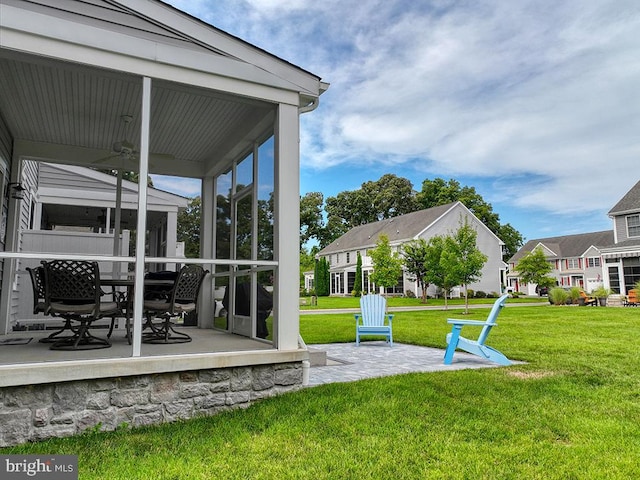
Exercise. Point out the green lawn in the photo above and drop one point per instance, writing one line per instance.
(354, 302)
(572, 412)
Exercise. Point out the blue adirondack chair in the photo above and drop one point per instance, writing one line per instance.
(373, 319)
(476, 347)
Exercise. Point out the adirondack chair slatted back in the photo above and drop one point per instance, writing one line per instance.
(491, 319)
(373, 309)
(476, 347)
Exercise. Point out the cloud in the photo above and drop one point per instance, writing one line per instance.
(512, 90)
(187, 187)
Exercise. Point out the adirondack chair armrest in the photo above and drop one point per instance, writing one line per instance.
(455, 321)
(389, 317)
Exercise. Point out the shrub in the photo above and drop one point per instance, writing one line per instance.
(558, 296)
(493, 295)
(574, 294)
(481, 294)
(470, 293)
(409, 294)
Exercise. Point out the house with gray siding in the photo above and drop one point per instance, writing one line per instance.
(576, 260)
(609, 258)
(442, 220)
(622, 259)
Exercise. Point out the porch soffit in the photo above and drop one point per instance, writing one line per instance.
(72, 114)
(69, 71)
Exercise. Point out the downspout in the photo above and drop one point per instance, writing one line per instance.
(309, 107)
(306, 364)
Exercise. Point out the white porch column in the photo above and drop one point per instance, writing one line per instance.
(206, 310)
(171, 237)
(142, 216)
(11, 245)
(287, 227)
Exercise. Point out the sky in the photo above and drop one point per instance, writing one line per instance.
(536, 104)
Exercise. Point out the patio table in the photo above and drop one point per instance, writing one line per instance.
(125, 298)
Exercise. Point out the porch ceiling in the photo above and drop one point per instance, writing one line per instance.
(71, 113)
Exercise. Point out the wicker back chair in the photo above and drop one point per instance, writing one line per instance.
(182, 299)
(73, 292)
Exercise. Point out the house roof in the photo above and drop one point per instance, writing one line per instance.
(399, 229)
(71, 181)
(70, 71)
(630, 203)
(567, 246)
(79, 196)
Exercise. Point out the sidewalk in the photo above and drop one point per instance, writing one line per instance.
(348, 363)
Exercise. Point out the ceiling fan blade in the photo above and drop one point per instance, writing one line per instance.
(104, 159)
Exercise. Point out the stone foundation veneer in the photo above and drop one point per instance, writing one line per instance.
(38, 412)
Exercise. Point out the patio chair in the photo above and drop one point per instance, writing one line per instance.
(40, 304)
(587, 300)
(374, 319)
(632, 298)
(72, 290)
(476, 347)
(182, 299)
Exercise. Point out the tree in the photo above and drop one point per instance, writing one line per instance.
(322, 278)
(533, 267)
(307, 262)
(311, 221)
(189, 228)
(357, 284)
(415, 261)
(462, 259)
(436, 271)
(387, 265)
(440, 192)
(126, 175)
(387, 197)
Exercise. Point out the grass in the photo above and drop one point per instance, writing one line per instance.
(571, 412)
(324, 303)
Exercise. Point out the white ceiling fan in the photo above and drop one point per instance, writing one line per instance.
(128, 156)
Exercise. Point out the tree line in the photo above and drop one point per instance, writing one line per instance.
(324, 220)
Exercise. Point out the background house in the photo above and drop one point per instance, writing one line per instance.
(622, 259)
(588, 260)
(575, 260)
(442, 220)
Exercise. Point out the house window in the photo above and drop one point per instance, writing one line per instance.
(351, 281)
(337, 258)
(573, 263)
(348, 256)
(633, 225)
(593, 262)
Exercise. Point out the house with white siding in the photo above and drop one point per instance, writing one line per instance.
(72, 209)
(442, 220)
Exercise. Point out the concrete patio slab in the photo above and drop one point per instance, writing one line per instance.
(347, 363)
